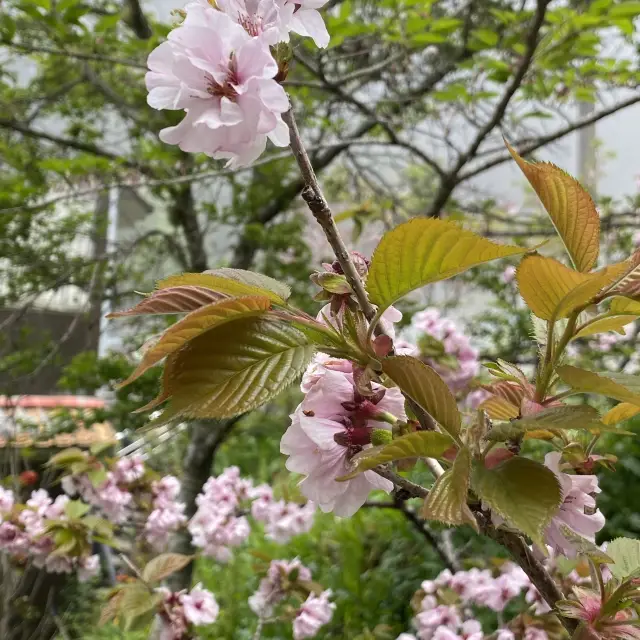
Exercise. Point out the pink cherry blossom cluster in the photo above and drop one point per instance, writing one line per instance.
(285, 578)
(23, 534)
(167, 515)
(181, 611)
(217, 66)
(112, 496)
(220, 522)
(115, 498)
(331, 425)
(604, 342)
(440, 616)
(315, 612)
(282, 520)
(461, 364)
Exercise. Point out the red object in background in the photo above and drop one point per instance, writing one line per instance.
(28, 478)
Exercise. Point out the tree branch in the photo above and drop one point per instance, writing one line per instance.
(118, 102)
(96, 57)
(86, 147)
(527, 146)
(137, 20)
(411, 488)
(313, 196)
(448, 559)
(316, 202)
(513, 542)
(450, 180)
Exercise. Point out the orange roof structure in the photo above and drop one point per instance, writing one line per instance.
(37, 410)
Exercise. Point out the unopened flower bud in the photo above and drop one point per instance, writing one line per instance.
(381, 436)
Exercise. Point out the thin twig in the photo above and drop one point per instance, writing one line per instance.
(444, 550)
(313, 196)
(414, 490)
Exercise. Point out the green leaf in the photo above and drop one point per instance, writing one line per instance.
(553, 291)
(499, 409)
(164, 393)
(420, 444)
(620, 386)
(280, 289)
(629, 283)
(222, 283)
(615, 323)
(164, 565)
(522, 491)
(566, 417)
(195, 324)
(625, 554)
(620, 413)
(447, 499)
(425, 387)
(620, 305)
(570, 207)
(172, 300)
(585, 547)
(137, 600)
(97, 476)
(112, 606)
(76, 509)
(99, 525)
(331, 282)
(235, 368)
(486, 36)
(625, 10)
(426, 250)
(67, 457)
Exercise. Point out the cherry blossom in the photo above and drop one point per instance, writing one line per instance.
(88, 568)
(272, 588)
(181, 610)
(167, 515)
(535, 633)
(223, 79)
(267, 19)
(7, 500)
(220, 522)
(330, 425)
(606, 341)
(314, 613)
(112, 500)
(508, 275)
(320, 364)
(23, 532)
(439, 615)
(578, 509)
(458, 362)
(200, 606)
(129, 469)
(307, 21)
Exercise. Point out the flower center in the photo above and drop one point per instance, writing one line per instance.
(251, 24)
(225, 90)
